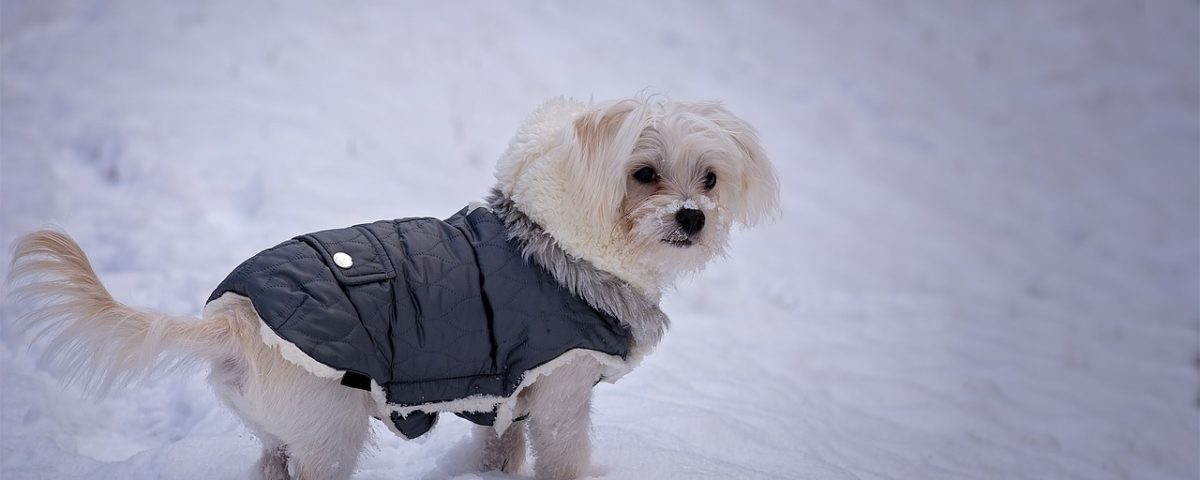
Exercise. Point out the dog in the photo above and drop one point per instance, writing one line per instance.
(598, 208)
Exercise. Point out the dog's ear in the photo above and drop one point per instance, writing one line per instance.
(602, 139)
(758, 187)
(596, 129)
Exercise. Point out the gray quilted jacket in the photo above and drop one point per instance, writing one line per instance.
(430, 310)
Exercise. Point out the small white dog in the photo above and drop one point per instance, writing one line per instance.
(607, 202)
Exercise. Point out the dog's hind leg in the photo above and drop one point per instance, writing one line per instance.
(311, 428)
(273, 465)
(330, 446)
(506, 452)
(228, 379)
(321, 426)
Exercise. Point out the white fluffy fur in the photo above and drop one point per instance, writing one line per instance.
(574, 192)
(568, 169)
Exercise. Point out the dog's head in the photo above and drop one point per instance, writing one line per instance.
(644, 189)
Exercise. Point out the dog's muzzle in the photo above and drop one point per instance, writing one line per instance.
(690, 221)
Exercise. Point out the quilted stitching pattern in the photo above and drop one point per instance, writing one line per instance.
(431, 310)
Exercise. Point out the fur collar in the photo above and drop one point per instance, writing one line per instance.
(602, 290)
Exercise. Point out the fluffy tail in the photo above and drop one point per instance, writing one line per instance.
(97, 341)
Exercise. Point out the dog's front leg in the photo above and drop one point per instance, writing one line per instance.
(560, 420)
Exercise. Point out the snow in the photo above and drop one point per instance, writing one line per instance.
(988, 264)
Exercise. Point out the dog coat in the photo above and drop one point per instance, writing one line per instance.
(432, 312)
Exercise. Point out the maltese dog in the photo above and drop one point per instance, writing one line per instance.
(506, 313)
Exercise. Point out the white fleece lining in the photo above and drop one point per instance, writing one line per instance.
(614, 368)
(293, 354)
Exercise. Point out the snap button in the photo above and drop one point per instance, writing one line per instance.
(343, 260)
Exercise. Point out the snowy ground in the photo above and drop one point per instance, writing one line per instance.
(988, 266)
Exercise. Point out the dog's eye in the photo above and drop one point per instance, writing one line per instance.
(645, 175)
(710, 181)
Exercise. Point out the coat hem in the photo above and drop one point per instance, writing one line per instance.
(614, 368)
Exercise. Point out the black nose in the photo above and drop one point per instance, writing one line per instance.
(690, 219)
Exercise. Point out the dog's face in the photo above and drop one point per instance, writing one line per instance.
(639, 185)
(670, 179)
